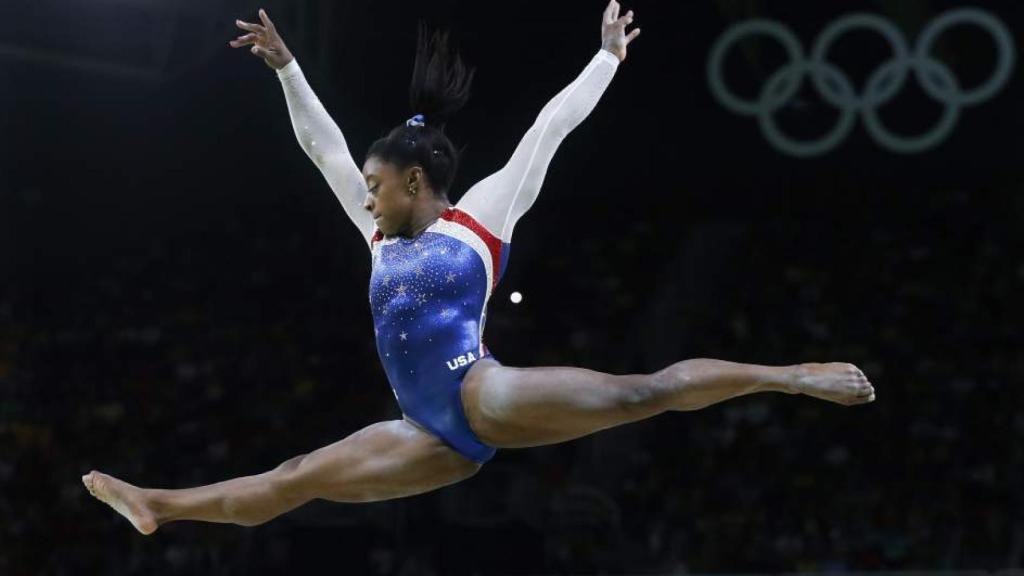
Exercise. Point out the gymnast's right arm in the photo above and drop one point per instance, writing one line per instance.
(318, 135)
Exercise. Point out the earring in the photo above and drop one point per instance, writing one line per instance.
(412, 190)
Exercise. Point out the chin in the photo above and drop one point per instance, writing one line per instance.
(388, 229)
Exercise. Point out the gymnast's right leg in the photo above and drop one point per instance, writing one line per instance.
(380, 462)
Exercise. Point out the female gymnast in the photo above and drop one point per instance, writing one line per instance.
(434, 267)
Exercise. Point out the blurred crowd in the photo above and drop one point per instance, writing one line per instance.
(185, 361)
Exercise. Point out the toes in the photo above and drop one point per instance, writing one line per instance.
(856, 372)
(94, 481)
(865, 399)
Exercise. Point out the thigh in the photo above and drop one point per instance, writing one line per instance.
(382, 461)
(520, 407)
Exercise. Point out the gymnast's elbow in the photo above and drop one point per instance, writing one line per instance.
(548, 133)
(322, 156)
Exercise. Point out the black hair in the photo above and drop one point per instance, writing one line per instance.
(439, 88)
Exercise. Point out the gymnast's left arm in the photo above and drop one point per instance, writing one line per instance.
(499, 200)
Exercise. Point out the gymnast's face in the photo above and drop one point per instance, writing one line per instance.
(388, 197)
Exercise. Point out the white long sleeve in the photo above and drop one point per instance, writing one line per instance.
(499, 200)
(325, 145)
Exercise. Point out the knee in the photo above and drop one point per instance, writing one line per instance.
(640, 396)
(287, 479)
(291, 464)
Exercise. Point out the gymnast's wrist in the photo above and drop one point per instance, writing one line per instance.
(607, 54)
(289, 70)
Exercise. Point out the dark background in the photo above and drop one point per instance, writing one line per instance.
(182, 299)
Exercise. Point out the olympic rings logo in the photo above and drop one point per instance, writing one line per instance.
(834, 86)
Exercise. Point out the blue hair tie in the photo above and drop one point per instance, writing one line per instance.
(416, 120)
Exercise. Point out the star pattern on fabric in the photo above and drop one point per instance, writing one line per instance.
(417, 289)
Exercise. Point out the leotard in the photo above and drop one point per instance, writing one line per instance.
(429, 294)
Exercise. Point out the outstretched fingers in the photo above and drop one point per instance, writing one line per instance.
(256, 34)
(626, 21)
(254, 28)
(260, 51)
(244, 40)
(612, 18)
(264, 40)
(266, 21)
(610, 12)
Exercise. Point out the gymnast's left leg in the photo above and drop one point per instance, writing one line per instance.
(383, 461)
(521, 407)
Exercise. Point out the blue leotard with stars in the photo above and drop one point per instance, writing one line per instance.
(429, 293)
(429, 297)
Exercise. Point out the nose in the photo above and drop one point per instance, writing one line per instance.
(368, 202)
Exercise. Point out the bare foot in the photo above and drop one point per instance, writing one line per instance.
(837, 382)
(123, 497)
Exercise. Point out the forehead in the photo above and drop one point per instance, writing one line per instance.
(377, 168)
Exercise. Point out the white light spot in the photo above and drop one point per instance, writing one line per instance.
(516, 297)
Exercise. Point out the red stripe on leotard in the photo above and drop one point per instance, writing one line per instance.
(492, 242)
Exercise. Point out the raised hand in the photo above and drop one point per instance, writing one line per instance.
(265, 41)
(613, 30)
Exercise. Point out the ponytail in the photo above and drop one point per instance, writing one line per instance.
(439, 88)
